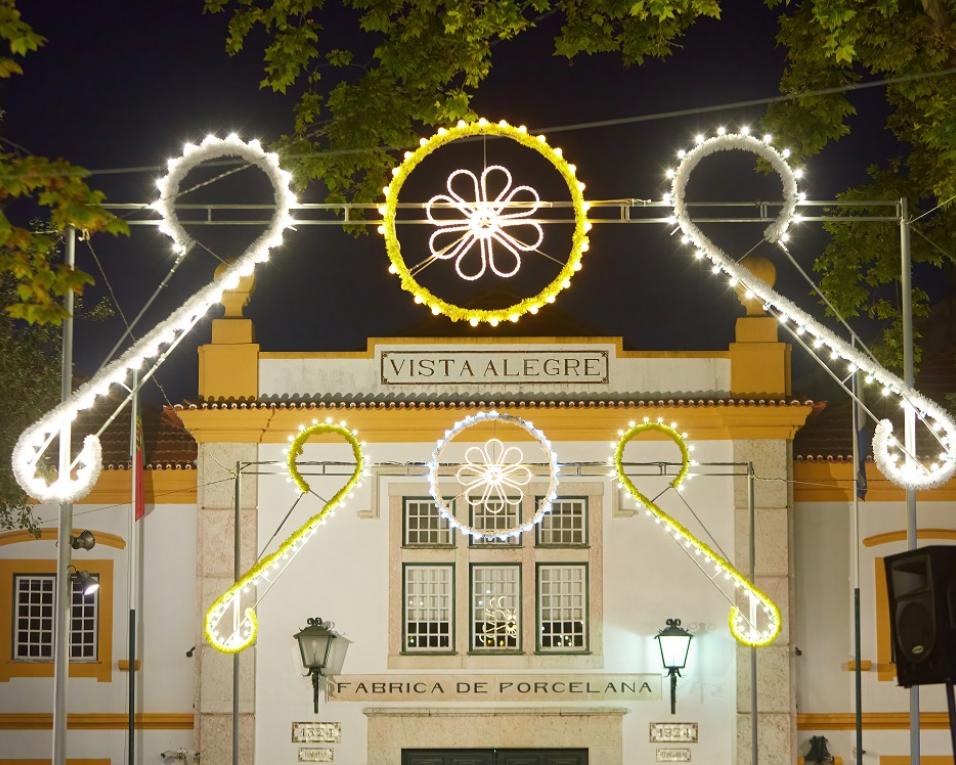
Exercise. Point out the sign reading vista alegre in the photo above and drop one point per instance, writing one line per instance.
(494, 687)
(473, 367)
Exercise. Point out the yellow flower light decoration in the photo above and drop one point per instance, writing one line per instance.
(579, 237)
(243, 623)
(742, 629)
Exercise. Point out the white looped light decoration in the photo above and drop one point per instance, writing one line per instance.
(493, 470)
(494, 475)
(887, 450)
(158, 342)
(484, 221)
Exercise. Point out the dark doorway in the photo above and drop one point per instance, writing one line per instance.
(495, 757)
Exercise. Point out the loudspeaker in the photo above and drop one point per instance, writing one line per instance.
(922, 594)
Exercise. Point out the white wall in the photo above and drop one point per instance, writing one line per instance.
(342, 575)
(167, 606)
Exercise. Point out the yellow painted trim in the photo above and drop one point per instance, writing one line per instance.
(850, 666)
(162, 487)
(123, 665)
(900, 536)
(443, 342)
(871, 721)
(69, 761)
(48, 535)
(837, 760)
(833, 482)
(102, 668)
(98, 721)
(925, 759)
(426, 425)
(886, 669)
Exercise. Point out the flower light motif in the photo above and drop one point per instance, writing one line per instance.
(484, 221)
(499, 623)
(491, 472)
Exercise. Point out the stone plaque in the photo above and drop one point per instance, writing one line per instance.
(496, 687)
(316, 733)
(673, 733)
(673, 755)
(316, 754)
(453, 367)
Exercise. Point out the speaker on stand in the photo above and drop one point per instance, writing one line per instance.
(921, 585)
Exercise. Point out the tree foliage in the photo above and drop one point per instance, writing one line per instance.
(32, 185)
(429, 57)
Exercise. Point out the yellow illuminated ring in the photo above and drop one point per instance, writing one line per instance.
(579, 239)
(245, 634)
(738, 625)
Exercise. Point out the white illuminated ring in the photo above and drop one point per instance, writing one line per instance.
(911, 474)
(158, 342)
(484, 221)
(550, 493)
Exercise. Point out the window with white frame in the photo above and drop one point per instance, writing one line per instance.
(562, 608)
(566, 524)
(424, 525)
(428, 608)
(495, 607)
(493, 515)
(34, 602)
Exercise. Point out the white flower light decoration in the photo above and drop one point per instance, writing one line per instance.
(908, 472)
(158, 342)
(484, 221)
(505, 467)
(490, 471)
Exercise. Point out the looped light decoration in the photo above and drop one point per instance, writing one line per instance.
(156, 343)
(743, 630)
(231, 627)
(496, 472)
(887, 450)
(483, 222)
(486, 221)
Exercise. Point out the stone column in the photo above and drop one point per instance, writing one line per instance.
(228, 369)
(760, 369)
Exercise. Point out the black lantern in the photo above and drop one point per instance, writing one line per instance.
(323, 652)
(818, 751)
(674, 642)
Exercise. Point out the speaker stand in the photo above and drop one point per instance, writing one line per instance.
(951, 704)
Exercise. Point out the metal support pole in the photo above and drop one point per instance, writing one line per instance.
(131, 574)
(751, 507)
(64, 584)
(909, 430)
(855, 575)
(235, 657)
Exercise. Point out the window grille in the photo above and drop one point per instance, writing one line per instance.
(490, 516)
(495, 608)
(566, 523)
(34, 602)
(429, 608)
(562, 608)
(424, 525)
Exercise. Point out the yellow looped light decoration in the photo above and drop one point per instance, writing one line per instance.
(743, 631)
(579, 238)
(245, 629)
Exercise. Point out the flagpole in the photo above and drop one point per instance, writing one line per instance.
(135, 456)
(858, 465)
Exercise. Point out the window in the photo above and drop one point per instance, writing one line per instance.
(491, 515)
(562, 608)
(34, 598)
(566, 524)
(424, 525)
(429, 608)
(495, 607)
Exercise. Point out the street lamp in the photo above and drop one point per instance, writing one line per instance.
(674, 642)
(323, 652)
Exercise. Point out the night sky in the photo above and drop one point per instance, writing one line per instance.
(124, 84)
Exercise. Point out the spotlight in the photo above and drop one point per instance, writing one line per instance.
(85, 540)
(87, 582)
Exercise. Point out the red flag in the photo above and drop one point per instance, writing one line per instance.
(139, 501)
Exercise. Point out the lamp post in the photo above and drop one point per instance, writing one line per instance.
(323, 652)
(674, 642)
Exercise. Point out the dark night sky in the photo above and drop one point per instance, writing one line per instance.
(124, 83)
